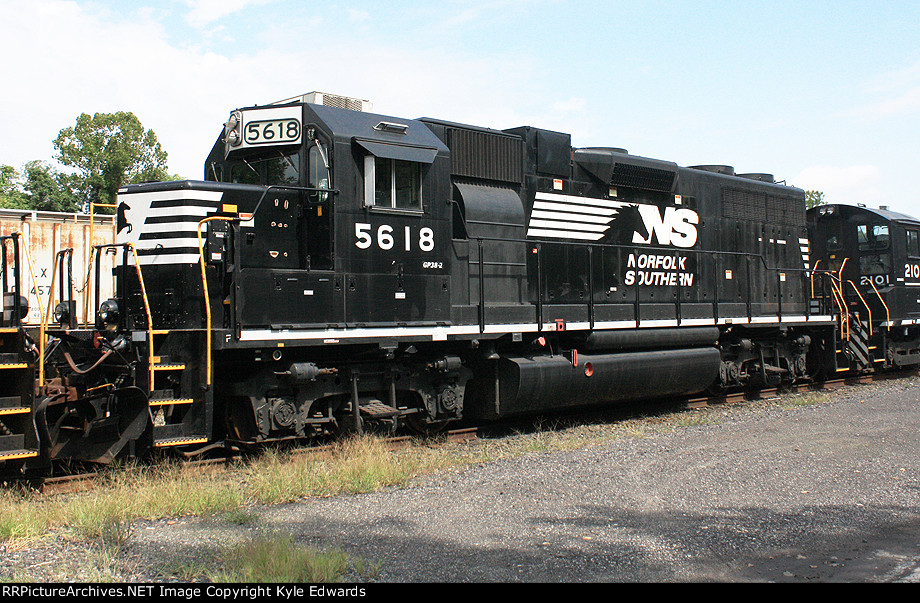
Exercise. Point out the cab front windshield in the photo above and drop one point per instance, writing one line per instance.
(271, 169)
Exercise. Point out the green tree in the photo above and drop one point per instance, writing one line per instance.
(50, 190)
(43, 189)
(11, 195)
(108, 151)
(814, 199)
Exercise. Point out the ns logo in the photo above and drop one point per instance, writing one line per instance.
(646, 225)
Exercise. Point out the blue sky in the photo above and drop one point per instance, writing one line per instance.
(825, 95)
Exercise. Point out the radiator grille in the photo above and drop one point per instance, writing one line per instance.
(753, 206)
(485, 155)
(638, 176)
(342, 102)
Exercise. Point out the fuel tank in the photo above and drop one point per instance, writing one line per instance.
(533, 384)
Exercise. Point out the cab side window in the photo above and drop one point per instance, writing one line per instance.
(913, 243)
(872, 236)
(392, 183)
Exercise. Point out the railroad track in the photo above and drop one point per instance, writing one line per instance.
(83, 481)
(86, 480)
(830, 384)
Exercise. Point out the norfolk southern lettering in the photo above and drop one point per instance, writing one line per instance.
(657, 270)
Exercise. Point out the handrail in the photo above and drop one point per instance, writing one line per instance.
(89, 264)
(868, 309)
(840, 270)
(140, 278)
(17, 276)
(204, 284)
(884, 305)
(633, 248)
(844, 312)
(41, 321)
(814, 269)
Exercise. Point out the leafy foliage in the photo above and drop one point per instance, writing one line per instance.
(44, 189)
(106, 151)
(814, 199)
(11, 195)
(109, 150)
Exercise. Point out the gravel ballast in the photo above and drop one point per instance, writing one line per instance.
(761, 491)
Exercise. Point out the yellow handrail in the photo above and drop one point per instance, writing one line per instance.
(844, 313)
(884, 305)
(41, 321)
(204, 284)
(140, 278)
(868, 309)
(812, 276)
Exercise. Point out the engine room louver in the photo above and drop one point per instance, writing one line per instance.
(485, 155)
(753, 206)
(785, 210)
(638, 176)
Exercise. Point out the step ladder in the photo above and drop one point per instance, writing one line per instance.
(855, 347)
(18, 439)
(163, 401)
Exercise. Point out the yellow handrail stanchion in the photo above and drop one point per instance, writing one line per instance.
(844, 314)
(812, 276)
(868, 309)
(140, 278)
(884, 305)
(41, 321)
(204, 284)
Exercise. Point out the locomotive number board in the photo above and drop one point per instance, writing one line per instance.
(266, 126)
(277, 131)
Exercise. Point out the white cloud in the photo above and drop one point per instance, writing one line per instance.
(77, 59)
(204, 12)
(898, 91)
(358, 16)
(904, 103)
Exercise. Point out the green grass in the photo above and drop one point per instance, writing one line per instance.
(355, 465)
(806, 399)
(279, 559)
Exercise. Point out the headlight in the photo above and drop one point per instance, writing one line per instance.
(108, 312)
(9, 302)
(232, 135)
(62, 313)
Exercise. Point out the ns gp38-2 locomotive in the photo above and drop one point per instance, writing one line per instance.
(339, 270)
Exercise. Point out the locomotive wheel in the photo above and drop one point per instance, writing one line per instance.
(425, 428)
(239, 420)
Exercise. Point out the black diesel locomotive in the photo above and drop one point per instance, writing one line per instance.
(340, 270)
(874, 257)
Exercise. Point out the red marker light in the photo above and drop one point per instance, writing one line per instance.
(589, 369)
